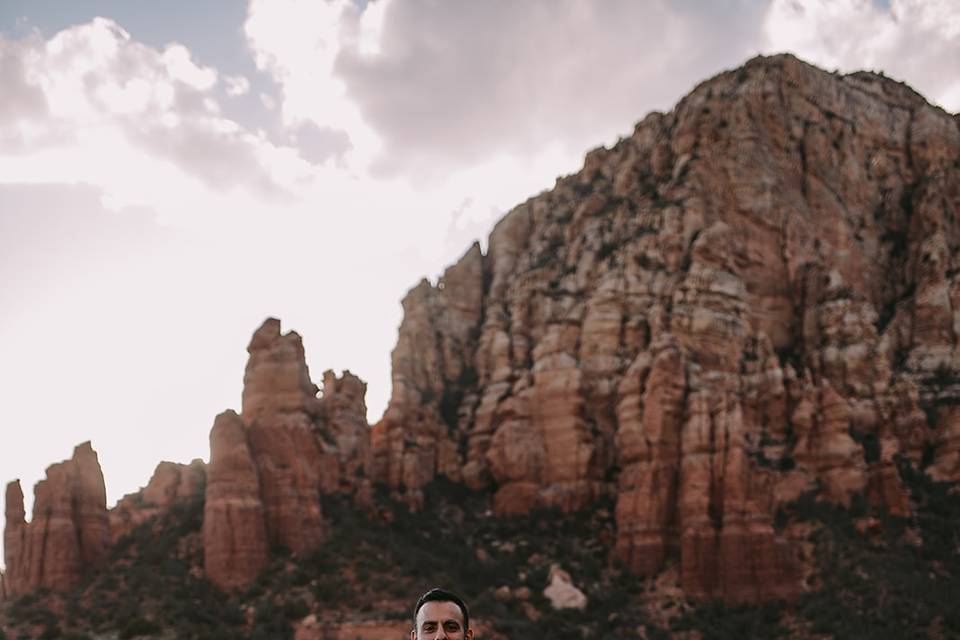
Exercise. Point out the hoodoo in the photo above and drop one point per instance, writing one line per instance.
(270, 465)
(69, 533)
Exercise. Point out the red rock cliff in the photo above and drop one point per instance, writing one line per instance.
(270, 465)
(234, 529)
(69, 531)
(750, 297)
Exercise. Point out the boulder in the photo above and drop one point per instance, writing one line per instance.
(561, 592)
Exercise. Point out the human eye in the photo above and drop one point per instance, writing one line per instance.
(452, 626)
(429, 626)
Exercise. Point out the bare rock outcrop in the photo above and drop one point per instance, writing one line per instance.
(431, 370)
(749, 298)
(68, 533)
(234, 528)
(270, 465)
(561, 592)
(280, 406)
(343, 411)
(170, 482)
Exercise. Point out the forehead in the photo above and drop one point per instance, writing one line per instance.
(438, 611)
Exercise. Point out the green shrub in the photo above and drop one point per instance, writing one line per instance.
(716, 621)
(295, 608)
(50, 632)
(139, 627)
(889, 587)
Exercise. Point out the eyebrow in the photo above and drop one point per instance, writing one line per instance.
(445, 622)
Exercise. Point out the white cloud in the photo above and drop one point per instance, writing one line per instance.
(917, 41)
(177, 60)
(236, 86)
(91, 105)
(426, 88)
(298, 41)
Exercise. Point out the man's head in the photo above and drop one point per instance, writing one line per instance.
(441, 614)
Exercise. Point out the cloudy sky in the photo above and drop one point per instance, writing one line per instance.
(173, 173)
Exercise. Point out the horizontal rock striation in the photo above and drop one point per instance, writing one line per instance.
(749, 298)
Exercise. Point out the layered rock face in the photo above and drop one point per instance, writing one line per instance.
(270, 465)
(69, 532)
(170, 482)
(749, 298)
(431, 370)
(279, 410)
(234, 530)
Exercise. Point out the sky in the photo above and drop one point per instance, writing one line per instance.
(171, 174)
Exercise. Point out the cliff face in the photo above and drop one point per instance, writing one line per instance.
(69, 531)
(270, 465)
(749, 298)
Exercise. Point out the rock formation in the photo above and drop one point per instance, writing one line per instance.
(234, 530)
(69, 531)
(279, 410)
(346, 433)
(749, 298)
(561, 591)
(431, 370)
(270, 465)
(170, 482)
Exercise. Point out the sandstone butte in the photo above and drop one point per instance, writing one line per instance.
(750, 298)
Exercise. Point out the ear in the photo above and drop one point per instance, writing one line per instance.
(468, 636)
(413, 634)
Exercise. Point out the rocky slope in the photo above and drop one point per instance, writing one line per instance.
(745, 306)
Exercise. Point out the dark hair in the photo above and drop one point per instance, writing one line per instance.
(442, 595)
